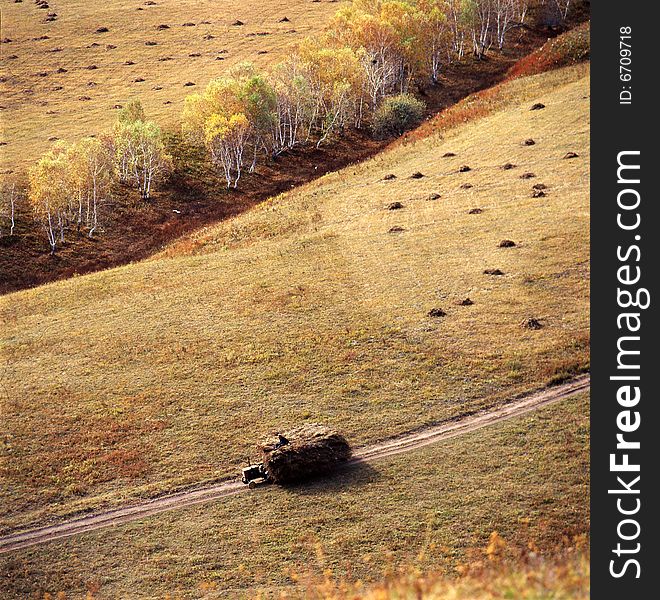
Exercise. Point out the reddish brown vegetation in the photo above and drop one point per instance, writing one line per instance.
(567, 49)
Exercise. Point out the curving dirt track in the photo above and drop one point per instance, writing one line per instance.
(398, 445)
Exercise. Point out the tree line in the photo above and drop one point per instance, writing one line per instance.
(361, 71)
(373, 50)
(69, 183)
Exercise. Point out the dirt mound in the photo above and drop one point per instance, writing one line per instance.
(527, 176)
(531, 323)
(394, 206)
(313, 449)
(538, 106)
(508, 166)
(529, 142)
(437, 312)
(417, 175)
(465, 302)
(506, 244)
(389, 177)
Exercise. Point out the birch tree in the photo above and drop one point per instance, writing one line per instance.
(128, 115)
(236, 115)
(221, 97)
(481, 16)
(48, 194)
(563, 7)
(226, 139)
(140, 156)
(90, 168)
(457, 17)
(8, 199)
(259, 107)
(362, 29)
(294, 105)
(132, 112)
(335, 81)
(438, 36)
(410, 30)
(505, 14)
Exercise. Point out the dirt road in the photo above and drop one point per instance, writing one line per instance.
(403, 443)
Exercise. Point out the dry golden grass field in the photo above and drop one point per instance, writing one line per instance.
(63, 79)
(312, 306)
(430, 510)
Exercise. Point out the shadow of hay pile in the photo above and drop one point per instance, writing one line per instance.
(312, 450)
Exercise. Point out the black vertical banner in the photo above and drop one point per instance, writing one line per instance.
(625, 421)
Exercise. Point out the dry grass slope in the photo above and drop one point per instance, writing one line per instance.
(565, 577)
(432, 510)
(63, 78)
(320, 305)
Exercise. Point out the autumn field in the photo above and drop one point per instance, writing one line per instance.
(66, 78)
(419, 522)
(324, 304)
(379, 282)
(190, 192)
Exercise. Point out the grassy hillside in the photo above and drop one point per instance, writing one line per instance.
(311, 306)
(196, 194)
(40, 102)
(431, 510)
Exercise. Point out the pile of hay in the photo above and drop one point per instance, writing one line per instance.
(312, 450)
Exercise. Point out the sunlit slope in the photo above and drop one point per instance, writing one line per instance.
(65, 78)
(166, 372)
(429, 510)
